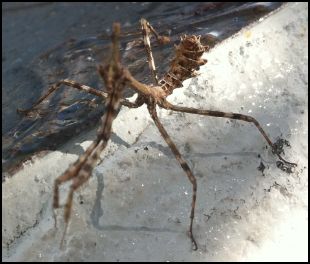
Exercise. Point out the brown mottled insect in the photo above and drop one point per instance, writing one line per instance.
(187, 59)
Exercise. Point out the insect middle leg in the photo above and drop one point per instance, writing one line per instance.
(76, 85)
(183, 164)
(56, 86)
(242, 117)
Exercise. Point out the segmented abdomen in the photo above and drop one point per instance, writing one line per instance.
(183, 66)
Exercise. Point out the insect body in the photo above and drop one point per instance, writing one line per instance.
(187, 59)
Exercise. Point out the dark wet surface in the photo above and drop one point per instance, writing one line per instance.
(46, 42)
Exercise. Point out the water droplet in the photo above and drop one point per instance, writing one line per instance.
(89, 58)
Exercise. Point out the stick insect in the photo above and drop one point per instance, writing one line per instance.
(115, 76)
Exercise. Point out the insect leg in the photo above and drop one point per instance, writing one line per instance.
(146, 30)
(56, 86)
(81, 170)
(242, 117)
(184, 166)
(78, 86)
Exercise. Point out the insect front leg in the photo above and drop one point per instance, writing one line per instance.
(147, 29)
(82, 169)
